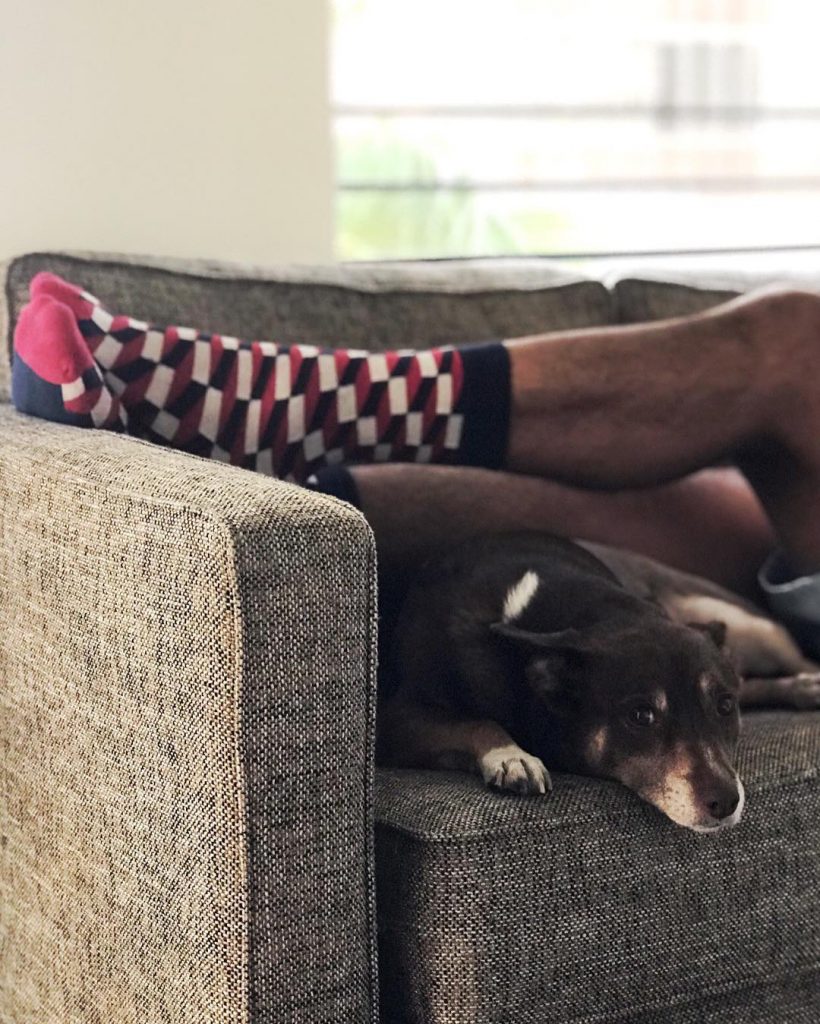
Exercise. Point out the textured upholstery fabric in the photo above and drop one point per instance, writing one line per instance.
(639, 301)
(589, 906)
(187, 668)
(373, 306)
(186, 708)
(642, 295)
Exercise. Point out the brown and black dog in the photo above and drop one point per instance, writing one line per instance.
(521, 651)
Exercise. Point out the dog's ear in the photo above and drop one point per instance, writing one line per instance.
(715, 630)
(563, 640)
(550, 656)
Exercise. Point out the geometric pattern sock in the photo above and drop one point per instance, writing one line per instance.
(285, 410)
(53, 373)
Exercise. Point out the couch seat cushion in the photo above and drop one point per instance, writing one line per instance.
(589, 906)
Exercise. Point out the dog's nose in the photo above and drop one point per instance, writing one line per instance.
(724, 804)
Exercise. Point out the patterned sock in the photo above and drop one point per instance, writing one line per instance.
(288, 410)
(54, 375)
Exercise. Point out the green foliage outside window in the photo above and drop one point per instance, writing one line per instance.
(441, 222)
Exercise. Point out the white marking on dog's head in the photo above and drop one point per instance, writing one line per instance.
(660, 701)
(519, 596)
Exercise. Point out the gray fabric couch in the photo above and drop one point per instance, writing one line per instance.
(191, 828)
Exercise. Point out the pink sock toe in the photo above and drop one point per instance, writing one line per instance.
(48, 340)
(49, 348)
(79, 302)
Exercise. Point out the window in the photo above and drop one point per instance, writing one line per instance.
(551, 126)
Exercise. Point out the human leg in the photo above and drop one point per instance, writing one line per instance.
(282, 409)
(628, 407)
(709, 523)
(608, 409)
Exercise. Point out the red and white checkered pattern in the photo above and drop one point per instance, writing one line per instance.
(286, 410)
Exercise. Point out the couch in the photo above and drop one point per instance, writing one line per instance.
(191, 826)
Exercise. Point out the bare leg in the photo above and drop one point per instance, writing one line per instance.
(623, 407)
(710, 524)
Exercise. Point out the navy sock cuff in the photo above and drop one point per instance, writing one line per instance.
(485, 404)
(336, 481)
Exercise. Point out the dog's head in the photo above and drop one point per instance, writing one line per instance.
(654, 707)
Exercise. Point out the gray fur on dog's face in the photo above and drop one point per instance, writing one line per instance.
(655, 709)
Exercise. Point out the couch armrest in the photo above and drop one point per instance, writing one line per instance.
(187, 674)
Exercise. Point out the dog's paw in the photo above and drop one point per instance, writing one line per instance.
(802, 691)
(514, 769)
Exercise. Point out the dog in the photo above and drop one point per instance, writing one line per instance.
(518, 653)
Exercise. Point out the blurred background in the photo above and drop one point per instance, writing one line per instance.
(313, 130)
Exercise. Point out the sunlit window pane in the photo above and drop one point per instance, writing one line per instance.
(531, 126)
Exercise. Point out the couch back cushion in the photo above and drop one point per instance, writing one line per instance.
(374, 306)
(642, 294)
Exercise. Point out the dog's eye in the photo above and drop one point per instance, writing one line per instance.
(642, 715)
(725, 704)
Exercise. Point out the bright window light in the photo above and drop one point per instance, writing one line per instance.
(573, 126)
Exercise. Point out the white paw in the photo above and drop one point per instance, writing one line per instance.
(512, 768)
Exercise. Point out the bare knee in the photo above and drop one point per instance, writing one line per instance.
(783, 325)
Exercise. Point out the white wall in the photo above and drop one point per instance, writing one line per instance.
(168, 127)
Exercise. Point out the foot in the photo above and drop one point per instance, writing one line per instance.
(54, 375)
(112, 340)
(81, 303)
(514, 769)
